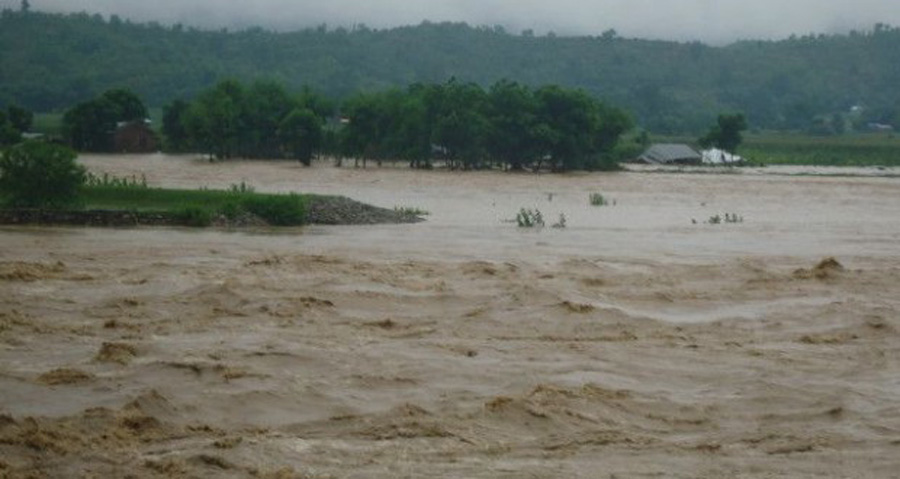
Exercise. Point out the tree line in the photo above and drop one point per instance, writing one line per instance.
(508, 125)
(262, 120)
(817, 83)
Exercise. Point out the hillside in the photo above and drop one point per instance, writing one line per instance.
(50, 61)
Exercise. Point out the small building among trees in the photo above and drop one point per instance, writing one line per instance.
(135, 137)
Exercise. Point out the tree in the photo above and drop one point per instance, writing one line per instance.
(38, 174)
(20, 118)
(128, 106)
(460, 123)
(301, 134)
(513, 124)
(215, 120)
(726, 134)
(174, 128)
(89, 125)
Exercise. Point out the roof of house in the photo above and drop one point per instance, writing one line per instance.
(670, 153)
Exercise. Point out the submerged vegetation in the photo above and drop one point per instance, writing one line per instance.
(597, 199)
(727, 218)
(528, 218)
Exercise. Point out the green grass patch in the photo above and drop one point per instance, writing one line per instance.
(844, 150)
(852, 149)
(50, 124)
(198, 207)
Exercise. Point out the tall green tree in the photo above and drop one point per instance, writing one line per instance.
(89, 125)
(726, 133)
(20, 118)
(460, 124)
(174, 128)
(215, 120)
(301, 134)
(512, 134)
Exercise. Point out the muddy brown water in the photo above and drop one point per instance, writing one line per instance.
(632, 343)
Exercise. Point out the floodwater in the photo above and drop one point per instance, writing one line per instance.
(638, 341)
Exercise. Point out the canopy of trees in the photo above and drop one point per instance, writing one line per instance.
(509, 125)
(726, 133)
(259, 121)
(89, 125)
(50, 61)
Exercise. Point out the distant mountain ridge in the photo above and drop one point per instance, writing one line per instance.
(51, 61)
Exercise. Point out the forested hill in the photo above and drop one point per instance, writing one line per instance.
(51, 61)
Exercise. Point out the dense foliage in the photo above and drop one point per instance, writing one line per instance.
(259, 121)
(39, 174)
(726, 133)
(509, 125)
(13, 123)
(50, 61)
(88, 126)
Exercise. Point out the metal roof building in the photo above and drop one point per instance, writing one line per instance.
(670, 154)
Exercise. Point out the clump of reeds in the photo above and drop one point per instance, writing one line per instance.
(597, 199)
(528, 218)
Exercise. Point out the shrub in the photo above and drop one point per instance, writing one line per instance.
(36, 174)
(598, 199)
(411, 211)
(561, 223)
(529, 218)
(728, 218)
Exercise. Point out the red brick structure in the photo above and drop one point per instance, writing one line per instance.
(135, 137)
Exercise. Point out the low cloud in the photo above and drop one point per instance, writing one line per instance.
(713, 21)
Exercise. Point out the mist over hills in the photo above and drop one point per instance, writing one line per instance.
(716, 22)
(51, 61)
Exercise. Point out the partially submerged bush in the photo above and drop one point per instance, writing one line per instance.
(727, 218)
(529, 218)
(411, 211)
(36, 174)
(597, 199)
(561, 223)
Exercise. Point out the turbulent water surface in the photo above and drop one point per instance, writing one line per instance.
(638, 341)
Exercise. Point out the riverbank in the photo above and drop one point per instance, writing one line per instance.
(322, 210)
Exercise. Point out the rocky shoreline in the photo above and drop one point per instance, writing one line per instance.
(321, 210)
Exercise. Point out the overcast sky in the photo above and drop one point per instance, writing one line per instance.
(712, 21)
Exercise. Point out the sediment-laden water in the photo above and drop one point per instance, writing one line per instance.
(639, 341)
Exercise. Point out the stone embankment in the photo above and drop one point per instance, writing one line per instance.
(340, 210)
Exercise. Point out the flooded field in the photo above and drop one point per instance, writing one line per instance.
(639, 341)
